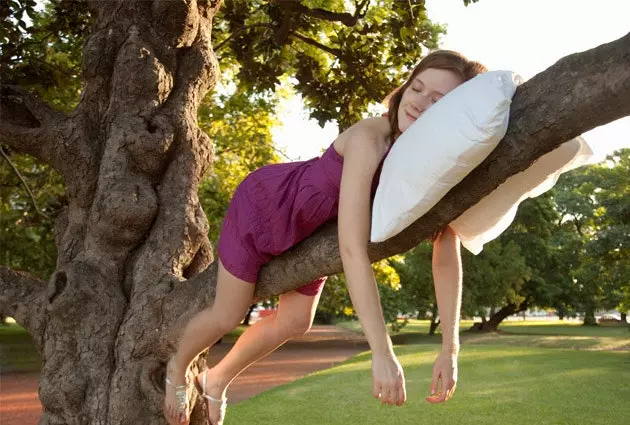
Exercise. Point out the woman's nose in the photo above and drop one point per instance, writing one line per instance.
(421, 104)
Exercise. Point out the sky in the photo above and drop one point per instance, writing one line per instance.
(526, 37)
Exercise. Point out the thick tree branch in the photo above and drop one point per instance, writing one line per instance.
(28, 125)
(578, 93)
(23, 297)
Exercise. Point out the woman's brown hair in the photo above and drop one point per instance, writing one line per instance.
(440, 59)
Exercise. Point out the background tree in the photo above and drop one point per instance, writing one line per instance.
(134, 260)
(612, 244)
(335, 301)
(535, 282)
(495, 279)
(416, 278)
(594, 206)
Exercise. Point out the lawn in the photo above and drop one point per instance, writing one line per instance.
(531, 327)
(529, 373)
(497, 384)
(546, 334)
(18, 354)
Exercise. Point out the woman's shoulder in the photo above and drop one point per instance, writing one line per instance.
(376, 125)
(368, 133)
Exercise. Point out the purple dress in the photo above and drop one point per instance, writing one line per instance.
(277, 206)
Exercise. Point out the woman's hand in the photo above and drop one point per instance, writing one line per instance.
(444, 373)
(388, 379)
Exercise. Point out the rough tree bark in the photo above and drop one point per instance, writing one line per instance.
(132, 157)
(134, 260)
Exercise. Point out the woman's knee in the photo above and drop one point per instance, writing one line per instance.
(296, 324)
(295, 313)
(226, 319)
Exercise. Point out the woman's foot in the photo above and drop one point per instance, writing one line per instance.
(213, 390)
(176, 407)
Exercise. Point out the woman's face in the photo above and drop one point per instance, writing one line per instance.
(426, 88)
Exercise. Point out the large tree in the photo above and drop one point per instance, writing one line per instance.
(134, 260)
(595, 229)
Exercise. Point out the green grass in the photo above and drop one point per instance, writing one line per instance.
(18, 354)
(530, 327)
(497, 384)
(544, 334)
(547, 327)
(529, 373)
(413, 326)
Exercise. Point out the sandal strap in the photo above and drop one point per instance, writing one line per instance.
(222, 401)
(214, 399)
(178, 387)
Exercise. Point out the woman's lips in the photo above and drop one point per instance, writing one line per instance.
(411, 117)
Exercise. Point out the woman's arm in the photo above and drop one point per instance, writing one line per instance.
(362, 155)
(447, 278)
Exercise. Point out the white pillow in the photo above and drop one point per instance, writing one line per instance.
(440, 148)
(488, 218)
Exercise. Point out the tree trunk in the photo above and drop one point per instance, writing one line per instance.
(248, 316)
(132, 157)
(134, 261)
(495, 320)
(624, 317)
(560, 314)
(434, 320)
(589, 317)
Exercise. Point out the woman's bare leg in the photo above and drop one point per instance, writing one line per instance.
(293, 317)
(233, 298)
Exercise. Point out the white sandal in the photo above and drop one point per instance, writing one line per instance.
(202, 390)
(181, 395)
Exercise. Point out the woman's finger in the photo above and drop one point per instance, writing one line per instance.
(376, 389)
(402, 394)
(434, 381)
(446, 386)
(437, 387)
(386, 395)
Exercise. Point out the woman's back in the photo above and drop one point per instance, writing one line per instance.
(281, 204)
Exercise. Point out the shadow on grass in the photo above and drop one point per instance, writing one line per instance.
(574, 342)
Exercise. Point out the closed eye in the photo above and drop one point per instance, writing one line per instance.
(417, 86)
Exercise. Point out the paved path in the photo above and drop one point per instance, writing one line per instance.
(321, 348)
